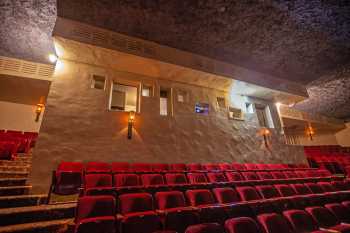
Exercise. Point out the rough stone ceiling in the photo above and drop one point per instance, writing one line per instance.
(300, 40)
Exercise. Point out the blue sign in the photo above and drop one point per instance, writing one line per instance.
(202, 108)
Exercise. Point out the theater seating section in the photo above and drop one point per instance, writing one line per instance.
(201, 198)
(336, 159)
(13, 142)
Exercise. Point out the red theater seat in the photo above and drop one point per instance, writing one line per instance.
(233, 176)
(211, 166)
(263, 166)
(242, 225)
(267, 191)
(105, 224)
(340, 185)
(251, 166)
(226, 195)
(264, 175)
(290, 174)
(301, 221)
(248, 193)
(141, 167)
(118, 167)
(68, 178)
(315, 188)
(340, 211)
(135, 202)
(145, 222)
(178, 167)
(326, 186)
(8, 150)
(197, 178)
(160, 167)
(216, 177)
(285, 190)
(194, 167)
(98, 167)
(250, 176)
(98, 183)
(200, 197)
(152, 179)
(301, 189)
(274, 223)
(205, 228)
(225, 166)
(126, 180)
(238, 166)
(175, 179)
(278, 175)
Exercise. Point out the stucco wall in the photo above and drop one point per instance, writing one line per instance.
(343, 137)
(79, 127)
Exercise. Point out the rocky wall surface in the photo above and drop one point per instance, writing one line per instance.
(78, 126)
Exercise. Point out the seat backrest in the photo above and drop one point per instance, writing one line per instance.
(267, 191)
(135, 202)
(120, 167)
(70, 167)
(175, 178)
(178, 167)
(242, 225)
(152, 179)
(248, 193)
(95, 206)
(238, 166)
(340, 211)
(170, 199)
(141, 167)
(262, 166)
(278, 175)
(199, 197)
(301, 189)
(123, 180)
(264, 175)
(205, 228)
(326, 186)
(211, 166)
(285, 190)
(315, 188)
(290, 174)
(98, 180)
(225, 166)
(233, 176)
(98, 167)
(250, 176)
(322, 216)
(216, 177)
(226, 195)
(300, 221)
(197, 178)
(160, 167)
(194, 167)
(339, 185)
(250, 166)
(274, 223)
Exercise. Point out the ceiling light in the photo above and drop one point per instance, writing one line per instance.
(52, 58)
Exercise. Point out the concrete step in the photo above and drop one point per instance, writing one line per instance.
(15, 168)
(15, 190)
(25, 158)
(53, 226)
(12, 174)
(5, 182)
(22, 200)
(30, 214)
(14, 163)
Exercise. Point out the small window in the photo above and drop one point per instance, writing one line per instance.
(182, 96)
(98, 82)
(249, 108)
(264, 116)
(163, 102)
(123, 98)
(146, 90)
(221, 102)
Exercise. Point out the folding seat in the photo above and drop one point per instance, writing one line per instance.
(285, 190)
(346, 204)
(197, 178)
(340, 211)
(205, 228)
(248, 193)
(324, 173)
(290, 174)
(233, 176)
(138, 214)
(210, 211)
(274, 223)
(175, 179)
(68, 178)
(8, 150)
(238, 166)
(216, 177)
(340, 185)
(267, 191)
(250, 176)
(126, 180)
(194, 167)
(160, 167)
(278, 175)
(301, 174)
(301, 221)
(95, 214)
(315, 188)
(98, 184)
(211, 166)
(262, 166)
(242, 225)
(250, 166)
(118, 167)
(178, 167)
(225, 166)
(98, 167)
(141, 167)
(301, 189)
(152, 179)
(177, 216)
(326, 186)
(226, 195)
(264, 175)
(325, 219)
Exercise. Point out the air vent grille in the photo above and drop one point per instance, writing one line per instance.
(12, 65)
(46, 71)
(29, 68)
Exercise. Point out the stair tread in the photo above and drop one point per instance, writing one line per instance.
(15, 210)
(22, 196)
(16, 187)
(33, 225)
(5, 179)
(13, 172)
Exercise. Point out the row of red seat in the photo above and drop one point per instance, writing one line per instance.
(13, 142)
(140, 212)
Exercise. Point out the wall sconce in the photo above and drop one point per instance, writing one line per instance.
(39, 109)
(131, 120)
(265, 133)
(310, 132)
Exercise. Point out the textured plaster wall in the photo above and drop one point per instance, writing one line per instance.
(20, 117)
(79, 127)
(343, 137)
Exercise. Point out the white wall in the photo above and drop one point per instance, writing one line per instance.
(20, 117)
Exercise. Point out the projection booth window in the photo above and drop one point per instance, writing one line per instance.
(123, 98)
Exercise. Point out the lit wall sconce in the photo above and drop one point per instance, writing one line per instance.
(39, 109)
(131, 120)
(265, 133)
(310, 132)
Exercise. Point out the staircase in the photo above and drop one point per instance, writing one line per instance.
(23, 212)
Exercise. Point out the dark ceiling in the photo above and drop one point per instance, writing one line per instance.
(299, 40)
